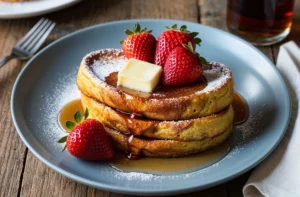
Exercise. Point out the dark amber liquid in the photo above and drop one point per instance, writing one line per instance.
(170, 165)
(259, 18)
(240, 109)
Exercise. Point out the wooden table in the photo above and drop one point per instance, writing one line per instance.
(21, 174)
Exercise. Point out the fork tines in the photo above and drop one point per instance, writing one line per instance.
(36, 36)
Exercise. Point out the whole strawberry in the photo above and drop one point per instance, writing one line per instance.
(183, 66)
(88, 139)
(139, 44)
(172, 38)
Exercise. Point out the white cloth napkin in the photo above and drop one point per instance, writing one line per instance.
(279, 174)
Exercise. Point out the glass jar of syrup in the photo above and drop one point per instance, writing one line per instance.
(261, 22)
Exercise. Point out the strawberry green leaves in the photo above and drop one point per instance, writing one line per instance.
(183, 28)
(128, 32)
(204, 62)
(189, 46)
(135, 30)
(194, 34)
(86, 114)
(173, 27)
(70, 125)
(198, 41)
(63, 140)
(78, 117)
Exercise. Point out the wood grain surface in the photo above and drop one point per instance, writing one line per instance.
(21, 173)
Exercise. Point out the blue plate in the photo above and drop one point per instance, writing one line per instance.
(48, 82)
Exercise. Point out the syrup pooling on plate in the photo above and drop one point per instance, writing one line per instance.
(240, 109)
(68, 111)
(170, 165)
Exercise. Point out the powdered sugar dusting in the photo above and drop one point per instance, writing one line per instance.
(112, 61)
(139, 176)
(60, 93)
(111, 65)
(102, 67)
(216, 76)
(247, 130)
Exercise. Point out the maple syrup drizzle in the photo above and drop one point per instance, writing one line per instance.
(240, 109)
(68, 111)
(154, 165)
(160, 91)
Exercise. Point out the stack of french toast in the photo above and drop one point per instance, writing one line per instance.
(175, 119)
(169, 122)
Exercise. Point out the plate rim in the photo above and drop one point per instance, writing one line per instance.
(36, 12)
(139, 191)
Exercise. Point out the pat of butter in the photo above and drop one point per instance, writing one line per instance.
(139, 75)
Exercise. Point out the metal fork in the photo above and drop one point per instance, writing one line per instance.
(31, 42)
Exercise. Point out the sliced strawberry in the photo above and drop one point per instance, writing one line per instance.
(139, 44)
(183, 66)
(88, 139)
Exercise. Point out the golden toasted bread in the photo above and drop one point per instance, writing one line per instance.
(164, 148)
(184, 130)
(97, 78)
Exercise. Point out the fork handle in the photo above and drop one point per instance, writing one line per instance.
(5, 60)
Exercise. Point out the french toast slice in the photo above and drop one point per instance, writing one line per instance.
(183, 130)
(97, 78)
(164, 148)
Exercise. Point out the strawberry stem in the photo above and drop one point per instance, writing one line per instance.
(136, 28)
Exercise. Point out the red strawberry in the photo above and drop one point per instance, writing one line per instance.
(88, 139)
(183, 66)
(139, 44)
(171, 39)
